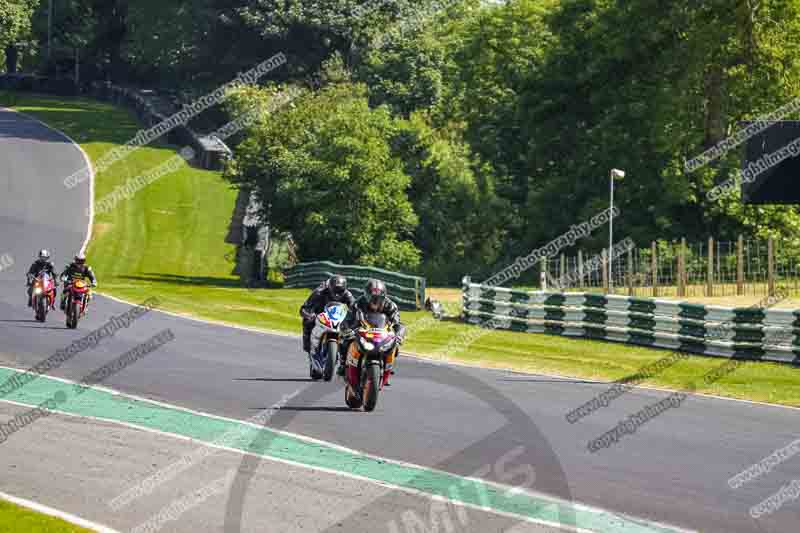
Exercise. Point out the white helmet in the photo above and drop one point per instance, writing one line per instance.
(80, 258)
(44, 255)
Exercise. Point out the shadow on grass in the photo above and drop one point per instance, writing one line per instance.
(207, 281)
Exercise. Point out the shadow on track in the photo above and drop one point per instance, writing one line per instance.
(63, 328)
(329, 409)
(551, 380)
(278, 380)
(473, 459)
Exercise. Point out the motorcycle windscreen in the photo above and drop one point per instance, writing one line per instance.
(336, 312)
(376, 320)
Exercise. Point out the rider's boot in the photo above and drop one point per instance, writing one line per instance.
(341, 359)
(352, 374)
(390, 359)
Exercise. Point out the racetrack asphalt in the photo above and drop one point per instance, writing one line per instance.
(464, 421)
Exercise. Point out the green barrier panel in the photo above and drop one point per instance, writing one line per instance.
(407, 291)
(752, 333)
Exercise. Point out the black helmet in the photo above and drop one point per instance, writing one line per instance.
(375, 292)
(80, 258)
(337, 285)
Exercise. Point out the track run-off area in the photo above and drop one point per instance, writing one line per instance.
(219, 429)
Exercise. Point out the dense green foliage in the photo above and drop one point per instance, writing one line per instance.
(488, 128)
(509, 118)
(326, 174)
(15, 27)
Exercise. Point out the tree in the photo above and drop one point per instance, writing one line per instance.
(325, 173)
(460, 216)
(15, 24)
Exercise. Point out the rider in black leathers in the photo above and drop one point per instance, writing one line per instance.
(375, 300)
(78, 269)
(332, 290)
(42, 264)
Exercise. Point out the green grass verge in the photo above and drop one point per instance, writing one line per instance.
(169, 241)
(16, 519)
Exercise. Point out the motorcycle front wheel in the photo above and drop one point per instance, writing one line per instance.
(41, 308)
(372, 386)
(330, 359)
(72, 315)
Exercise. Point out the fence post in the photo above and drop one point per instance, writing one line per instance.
(543, 273)
(771, 266)
(654, 268)
(740, 266)
(580, 269)
(710, 269)
(605, 270)
(630, 271)
(562, 267)
(682, 268)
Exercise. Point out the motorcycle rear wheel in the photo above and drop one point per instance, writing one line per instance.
(350, 399)
(316, 376)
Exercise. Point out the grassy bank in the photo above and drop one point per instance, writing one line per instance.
(15, 519)
(169, 241)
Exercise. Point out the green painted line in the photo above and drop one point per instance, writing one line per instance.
(268, 443)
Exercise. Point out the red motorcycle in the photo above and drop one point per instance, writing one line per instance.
(370, 358)
(78, 295)
(43, 295)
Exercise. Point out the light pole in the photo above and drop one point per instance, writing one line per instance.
(615, 173)
(49, 28)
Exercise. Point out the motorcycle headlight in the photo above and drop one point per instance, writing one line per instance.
(366, 345)
(37, 290)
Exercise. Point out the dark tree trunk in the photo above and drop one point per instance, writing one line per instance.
(12, 54)
(714, 120)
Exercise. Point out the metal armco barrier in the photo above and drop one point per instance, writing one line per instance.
(407, 291)
(752, 333)
(149, 107)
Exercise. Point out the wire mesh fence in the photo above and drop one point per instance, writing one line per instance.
(679, 269)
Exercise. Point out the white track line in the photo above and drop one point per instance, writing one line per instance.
(284, 334)
(88, 165)
(448, 362)
(43, 509)
(86, 243)
(260, 331)
(550, 500)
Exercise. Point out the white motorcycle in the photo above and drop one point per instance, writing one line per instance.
(325, 341)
